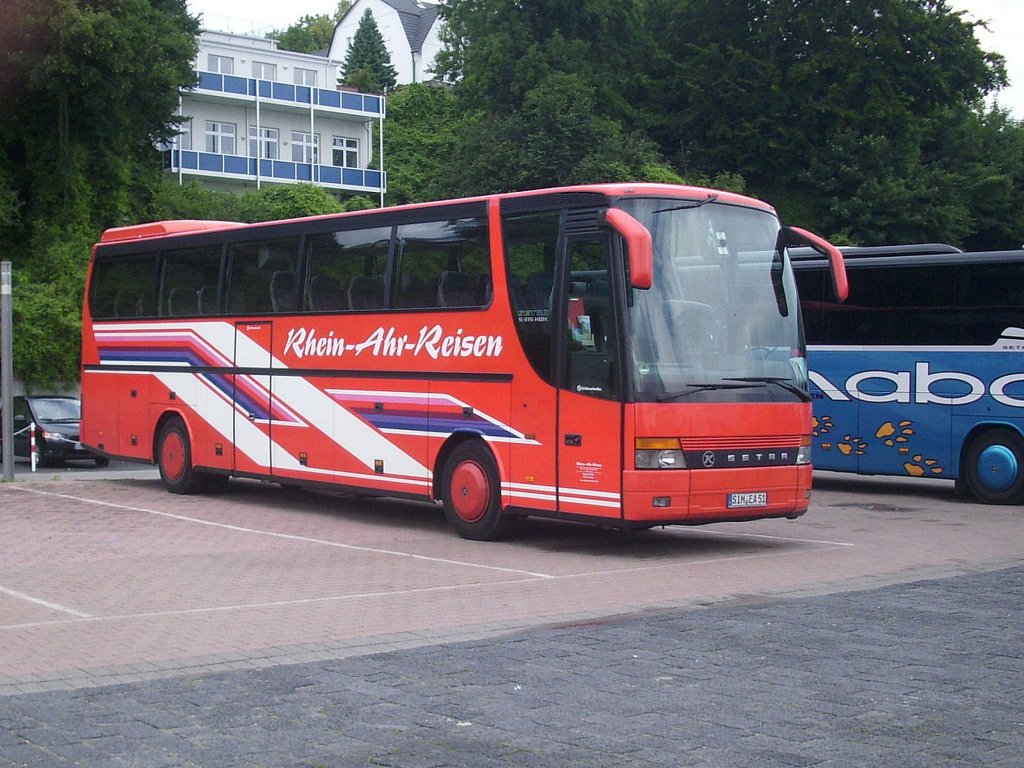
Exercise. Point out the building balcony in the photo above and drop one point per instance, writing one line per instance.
(212, 84)
(249, 171)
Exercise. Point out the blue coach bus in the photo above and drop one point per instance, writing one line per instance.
(920, 372)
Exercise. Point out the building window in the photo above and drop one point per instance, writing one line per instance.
(305, 77)
(185, 135)
(220, 138)
(345, 152)
(224, 65)
(265, 141)
(264, 71)
(305, 147)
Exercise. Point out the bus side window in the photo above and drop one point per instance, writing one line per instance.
(251, 271)
(123, 287)
(813, 305)
(440, 263)
(337, 261)
(187, 273)
(990, 299)
(531, 242)
(591, 347)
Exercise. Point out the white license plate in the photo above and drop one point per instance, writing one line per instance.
(748, 500)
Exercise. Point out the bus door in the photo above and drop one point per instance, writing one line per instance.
(589, 411)
(252, 396)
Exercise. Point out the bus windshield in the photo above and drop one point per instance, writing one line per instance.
(721, 322)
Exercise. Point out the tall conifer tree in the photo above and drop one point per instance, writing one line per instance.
(367, 63)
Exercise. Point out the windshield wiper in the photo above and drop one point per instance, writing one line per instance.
(705, 388)
(786, 384)
(686, 206)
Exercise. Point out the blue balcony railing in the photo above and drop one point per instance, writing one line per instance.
(246, 169)
(297, 94)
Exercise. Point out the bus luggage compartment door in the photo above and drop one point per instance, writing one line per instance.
(251, 391)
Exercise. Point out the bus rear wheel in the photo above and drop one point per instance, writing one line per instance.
(174, 458)
(994, 467)
(471, 495)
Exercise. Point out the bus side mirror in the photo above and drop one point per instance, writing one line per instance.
(840, 286)
(640, 250)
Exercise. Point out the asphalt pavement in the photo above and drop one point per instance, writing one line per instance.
(927, 673)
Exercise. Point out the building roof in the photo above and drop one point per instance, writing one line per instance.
(417, 19)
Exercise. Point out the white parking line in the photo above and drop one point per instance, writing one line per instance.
(44, 603)
(287, 536)
(86, 619)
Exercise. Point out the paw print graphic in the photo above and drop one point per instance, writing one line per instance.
(821, 426)
(852, 445)
(895, 436)
(920, 466)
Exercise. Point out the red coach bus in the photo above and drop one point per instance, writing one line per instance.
(626, 355)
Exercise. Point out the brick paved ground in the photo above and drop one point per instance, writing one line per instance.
(920, 674)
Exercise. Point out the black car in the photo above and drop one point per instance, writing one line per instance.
(56, 419)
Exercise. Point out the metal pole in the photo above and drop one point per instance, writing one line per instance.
(177, 143)
(259, 137)
(7, 374)
(381, 138)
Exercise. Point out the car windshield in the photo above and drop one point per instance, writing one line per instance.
(721, 322)
(56, 409)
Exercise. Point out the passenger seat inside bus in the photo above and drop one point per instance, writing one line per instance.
(365, 293)
(207, 300)
(182, 302)
(282, 292)
(325, 294)
(455, 289)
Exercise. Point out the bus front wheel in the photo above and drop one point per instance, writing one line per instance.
(471, 493)
(174, 458)
(994, 467)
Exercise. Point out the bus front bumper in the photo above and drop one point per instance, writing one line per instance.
(709, 495)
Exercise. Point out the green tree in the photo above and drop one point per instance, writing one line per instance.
(420, 142)
(287, 201)
(88, 87)
(547, 93)
(311, 33)
(367, 61)
(839, 113)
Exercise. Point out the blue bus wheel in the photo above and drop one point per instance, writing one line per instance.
(994, 467)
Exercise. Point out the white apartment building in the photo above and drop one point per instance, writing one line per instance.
(260, 115)
(410, 31)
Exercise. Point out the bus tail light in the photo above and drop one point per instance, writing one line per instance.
(659, 453)
(803, 455)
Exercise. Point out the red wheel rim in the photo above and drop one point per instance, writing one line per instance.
(470, 491)
(172, 456)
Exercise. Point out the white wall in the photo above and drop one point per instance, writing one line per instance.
(410, 67)
(244, 50)
(244, 115)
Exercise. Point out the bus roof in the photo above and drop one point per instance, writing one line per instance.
(921, 254)
(645, 189)
(162, 228)
(860, 252)
(612, 190)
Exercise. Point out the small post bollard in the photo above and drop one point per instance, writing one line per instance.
(33, 451)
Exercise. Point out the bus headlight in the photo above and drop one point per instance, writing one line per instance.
(659, 453)
(803, 454)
